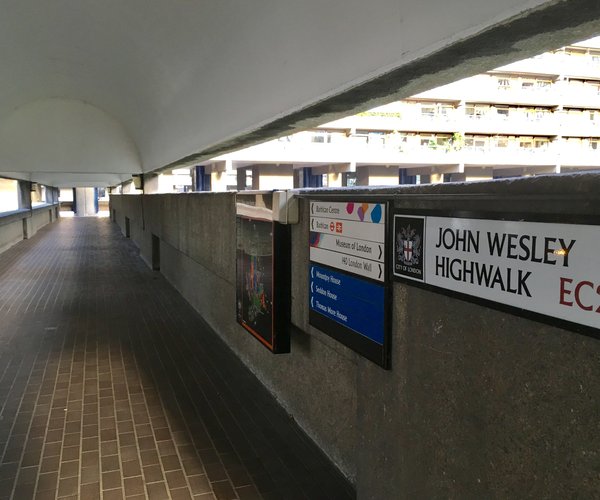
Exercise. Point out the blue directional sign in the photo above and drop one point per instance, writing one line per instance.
(349, 287)
(354, 303)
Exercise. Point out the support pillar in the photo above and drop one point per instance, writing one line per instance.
(255, 178)
(241, 179)
(334, 179)
(86, 202)
(218, 182)
(377, 175)
(24, 195)
(152, 183)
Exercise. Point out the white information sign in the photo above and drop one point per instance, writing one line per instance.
(546, 268)
(349, 236)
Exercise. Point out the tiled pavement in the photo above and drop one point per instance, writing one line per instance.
(112, 387)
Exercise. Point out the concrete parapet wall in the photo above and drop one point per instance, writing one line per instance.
(479, 403)
(11, 230)
(22, 224)
(40, 217)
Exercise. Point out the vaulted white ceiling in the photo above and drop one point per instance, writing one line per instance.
(95, 90)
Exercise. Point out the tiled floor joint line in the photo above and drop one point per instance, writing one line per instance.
(111, 386)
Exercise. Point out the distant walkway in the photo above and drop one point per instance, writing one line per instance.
(111, 386)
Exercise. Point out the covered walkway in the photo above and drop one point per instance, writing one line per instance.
(111, 386)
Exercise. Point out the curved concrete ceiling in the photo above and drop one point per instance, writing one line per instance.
(183, 79)
(60, 136)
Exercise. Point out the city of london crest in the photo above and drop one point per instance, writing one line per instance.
(408, 246)
(409, 231)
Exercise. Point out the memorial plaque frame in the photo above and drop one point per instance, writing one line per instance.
(263, 294)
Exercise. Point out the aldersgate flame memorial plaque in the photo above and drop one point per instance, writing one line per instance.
(262, 272)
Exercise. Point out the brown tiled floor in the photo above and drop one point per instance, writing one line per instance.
(112, 387)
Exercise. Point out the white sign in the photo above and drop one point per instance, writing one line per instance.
(546, 268)
(349, 236)
(350, 263)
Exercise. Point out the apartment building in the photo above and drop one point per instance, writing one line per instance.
(536, 116)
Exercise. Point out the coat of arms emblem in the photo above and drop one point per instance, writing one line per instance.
(408, 246)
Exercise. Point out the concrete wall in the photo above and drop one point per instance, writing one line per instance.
(478, 404)
(11, 231)
(40, 217)
(23, 224)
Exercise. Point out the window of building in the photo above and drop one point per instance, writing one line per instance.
(502, 112)
(476, 142)
(428, 110)
(503, 83)
(476, 111)
(435, 141)
(361, 137)
(527, 84)
(405, 140)
(376, 138)
(543, 84)
(428, 141)
(500, 141)
(349, 179)
(326, 136)
(446, 110)
(526, 142)
(319, 138)
(537, 114)
(443, 140)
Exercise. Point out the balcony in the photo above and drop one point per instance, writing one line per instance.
(580, 96)
(580, 157)
(509, 156)
(579, 126)
(514, 123)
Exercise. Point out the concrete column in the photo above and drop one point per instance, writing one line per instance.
(86, 202)
(241, 179)
(479, 173)
(151, 184)
(218, 181)
(256, 178)
(25, 204)
(334, 179)
(377, 175)
(298, 178)
(362, 176)
(24, 195)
